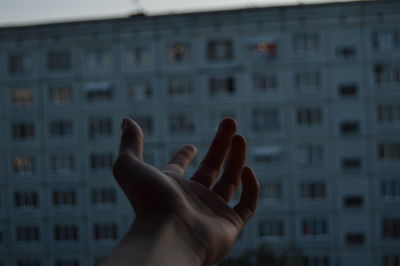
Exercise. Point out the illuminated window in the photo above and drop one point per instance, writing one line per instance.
(60, 94)
(22, 97)
(178, 53)
(24, 165)
(263, 50)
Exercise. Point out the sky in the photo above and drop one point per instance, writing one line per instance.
(27, 12)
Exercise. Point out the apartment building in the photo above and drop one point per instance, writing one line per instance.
(315, 90)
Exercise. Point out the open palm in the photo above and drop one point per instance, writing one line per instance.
(200, 210)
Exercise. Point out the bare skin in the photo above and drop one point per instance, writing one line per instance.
(183, 221)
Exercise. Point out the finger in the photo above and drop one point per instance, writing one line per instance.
(230, 179)
(181, 159)
(132, 139)
(249, 197)
(212, 162)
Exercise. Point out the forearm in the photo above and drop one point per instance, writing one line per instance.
(154, 242)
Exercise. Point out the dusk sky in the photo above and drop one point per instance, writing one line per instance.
(22, 12)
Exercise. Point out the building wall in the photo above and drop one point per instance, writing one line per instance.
(336, 41)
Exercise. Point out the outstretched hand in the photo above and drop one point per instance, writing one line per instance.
(197, 207)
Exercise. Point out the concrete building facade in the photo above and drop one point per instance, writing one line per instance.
(314, 88)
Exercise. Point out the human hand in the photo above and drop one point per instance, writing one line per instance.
(199, 214)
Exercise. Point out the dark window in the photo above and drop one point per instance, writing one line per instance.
(58, 61)
(346, 52)
(18, 64)
(23, 131)
(391, 228)
(351, 163)
(353, 201)
(220, 50)
(355, 238)
(349, 128)
(221, 86)
(348, 90)
(61, 128)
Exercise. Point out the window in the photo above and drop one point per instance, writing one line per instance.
(267, 156)
(104, 197)
(62, 163)
(348, 90)
(26, 200)
(391, 228)
(264, 50)
(389, 151)
(178, 53)
(61, 128)
(391, 260)
(387, 74)
(307, 80)
(351, 163)
(66, 232)
(67, 262)
(390, 190)
(265, 119)
(22, 97)
(64, 198)
(107, 231)
(355, 238)
(27, 234)
(28, 262)
(317, 260)
(100, 127)
(19, 64)
(101, 161)
(221, 86)
(58, 61)
(24, 165)
(179, 88)
(389, 113)
(346, 52)
(272, 191)
(310, 154)
(220, 50)
(309, 117)
(353, 201)
(314, 227)
(99, 91)
(98, 57)
(138, 56)
(350, 128)
(60, 94)
(23, 131)
(271, 228)
(312, 190)
(140, 91)
(182, 123)
(305, 43)
(385, 40)
(264, 83)
(146, 122)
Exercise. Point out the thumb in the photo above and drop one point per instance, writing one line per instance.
(132, 139)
